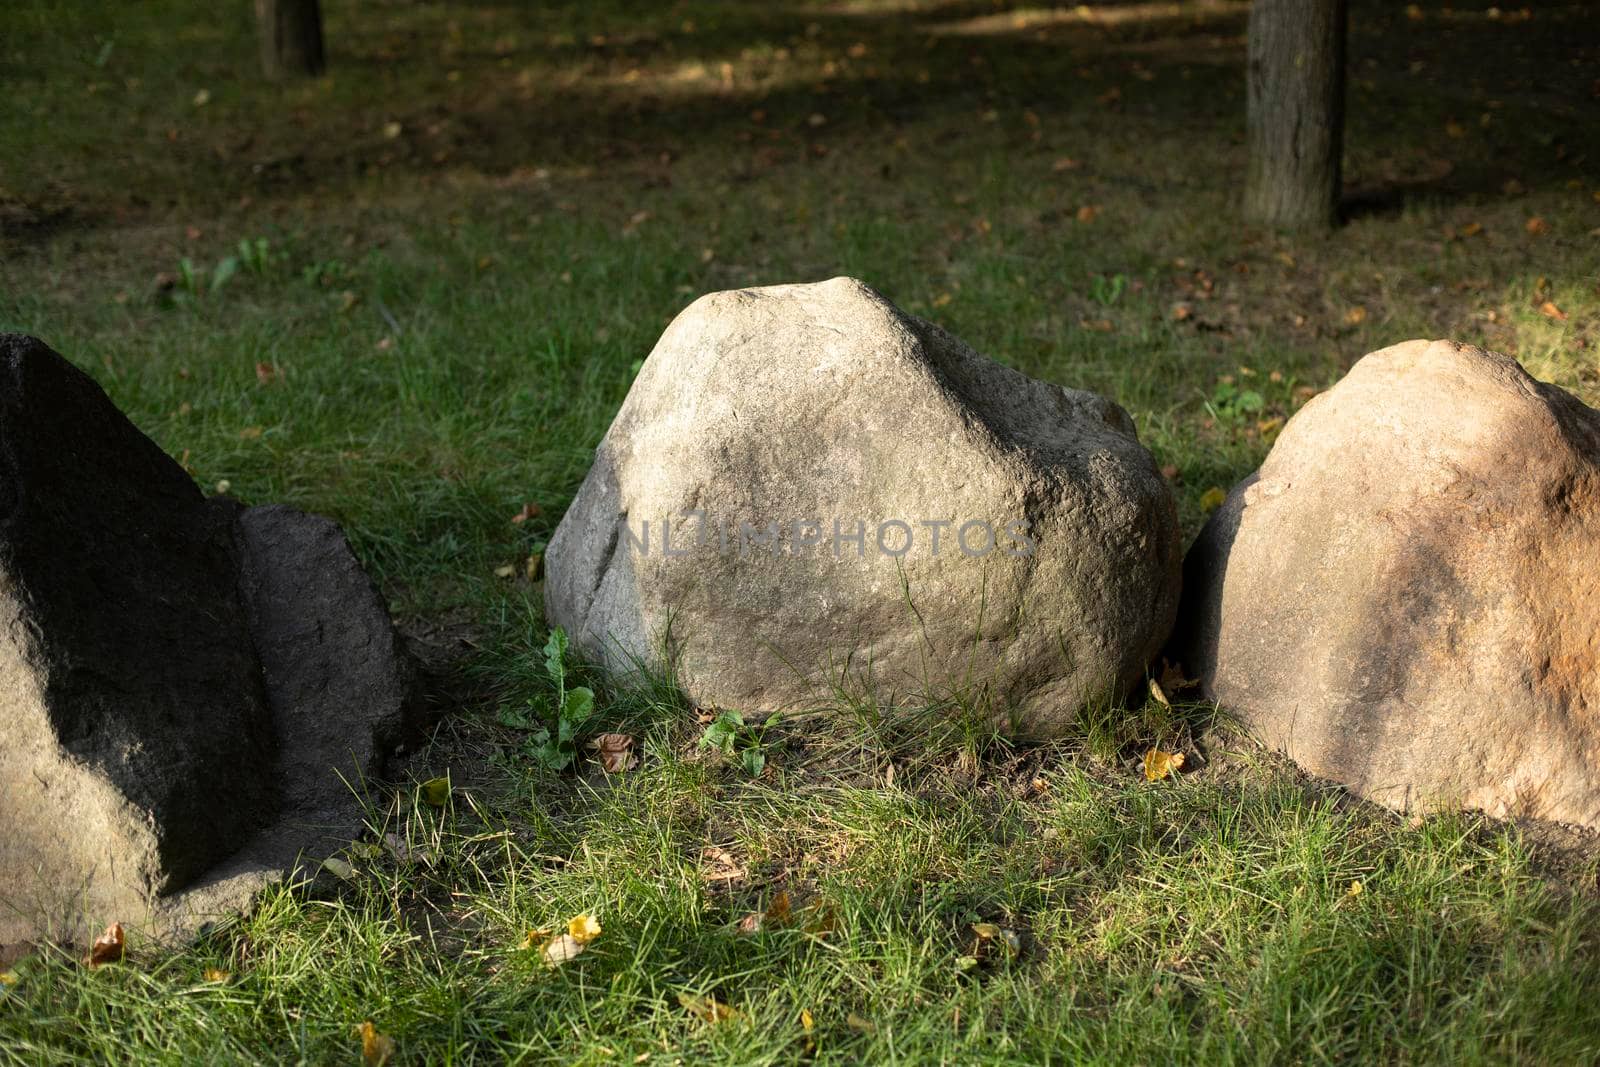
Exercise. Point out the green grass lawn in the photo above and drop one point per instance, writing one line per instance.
(475, 227)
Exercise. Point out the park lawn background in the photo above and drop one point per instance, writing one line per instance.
(478, 223)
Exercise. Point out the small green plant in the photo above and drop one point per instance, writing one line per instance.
(329, 273)
(189, 277)
(739, 741)
(1106, 290)
(555, 749)
(255, 254)
(195, 281)
(1229, 403)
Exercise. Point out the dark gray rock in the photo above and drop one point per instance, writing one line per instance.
(341, 688)
(181, 685)
(131, 693)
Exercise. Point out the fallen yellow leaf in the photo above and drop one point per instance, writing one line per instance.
(583, 929)
(1212, 499)
(217, 974)
(376, 1049)
(1159, 764)
(708, 1008)
(534, 938)
(1355, 316)
(807, 1023)
(339, 868)
(9, 978)
(1549, 310)
(1159, 693)
(436, 791)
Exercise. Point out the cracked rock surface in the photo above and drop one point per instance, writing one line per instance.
(182, 682)
(808, 492)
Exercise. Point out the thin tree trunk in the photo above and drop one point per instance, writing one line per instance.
(1296, 112)
(291, 37)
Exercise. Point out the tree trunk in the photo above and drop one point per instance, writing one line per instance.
(1296, 112)
(291, 37)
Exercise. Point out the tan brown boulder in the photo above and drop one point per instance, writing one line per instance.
(1406, 596)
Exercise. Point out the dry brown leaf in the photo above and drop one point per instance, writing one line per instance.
(107, 948)
(718, 865)
(1472, 229)
(1172, 679)
(1159, 764)
(1064, 163)
(1355, 316)
(1549, 310)
(267, 373)
(821, 919)
(778, 913)
(529, 510)
(562, 948)
(1159, 693)
(615, 752)
(376, 1049)
(1537, 226)
(1087, 213)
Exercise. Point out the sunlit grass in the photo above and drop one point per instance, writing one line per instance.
(452, 316)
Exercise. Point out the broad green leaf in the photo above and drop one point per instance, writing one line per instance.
(579, 705)
(436, 791)
(555, 656)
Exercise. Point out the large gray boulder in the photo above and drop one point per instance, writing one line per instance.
(847, 503)
(182, 683)
(1406, 596)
